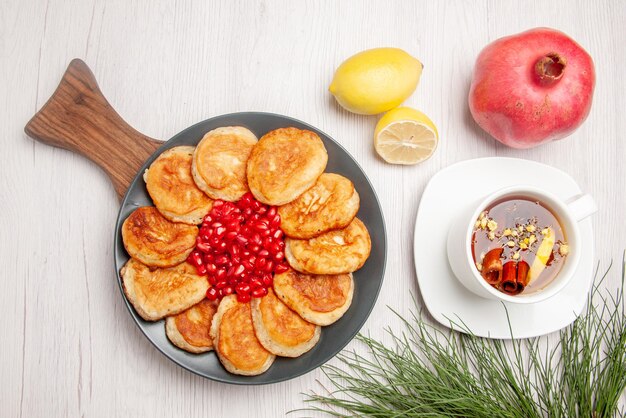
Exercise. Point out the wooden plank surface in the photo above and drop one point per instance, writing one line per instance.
(69, 348)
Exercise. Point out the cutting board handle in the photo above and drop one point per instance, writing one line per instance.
(78, 118)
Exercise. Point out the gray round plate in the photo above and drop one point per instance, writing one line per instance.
(368, 279)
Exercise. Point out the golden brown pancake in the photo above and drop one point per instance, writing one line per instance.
(285, 163)
(156, 241)
(320, 299)
(189, 329)
(334, 252)
(234, 339)
(279, 329)
(172, 189)
(219, 162)
(330, 204)
(156, 293)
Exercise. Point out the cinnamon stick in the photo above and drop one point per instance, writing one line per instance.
(492, 267)
(510, 285)
(523, 276)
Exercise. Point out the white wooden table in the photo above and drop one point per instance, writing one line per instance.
(69, 347)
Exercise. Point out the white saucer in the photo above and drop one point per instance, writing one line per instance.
(463, 184)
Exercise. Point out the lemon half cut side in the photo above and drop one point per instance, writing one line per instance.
(405, 136)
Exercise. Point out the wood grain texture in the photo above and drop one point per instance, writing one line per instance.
(78, 118)
(69, 347)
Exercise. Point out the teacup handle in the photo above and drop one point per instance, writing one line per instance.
(582, 206)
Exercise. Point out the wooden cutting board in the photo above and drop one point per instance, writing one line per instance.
(79, 118)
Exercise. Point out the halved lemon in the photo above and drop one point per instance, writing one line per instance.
(405, 136)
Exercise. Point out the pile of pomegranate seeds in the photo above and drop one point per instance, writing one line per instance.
(240, 246)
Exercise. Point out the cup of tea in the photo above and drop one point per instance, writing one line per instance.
(520, 244)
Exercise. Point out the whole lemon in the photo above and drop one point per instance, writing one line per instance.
(376, 80)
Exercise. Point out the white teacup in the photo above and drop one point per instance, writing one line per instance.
(460, 238)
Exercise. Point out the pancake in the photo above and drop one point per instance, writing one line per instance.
(154, 240)
(319, 299)
(219, 162)
(284, 164)
(330, 204)
(172, 189)
(334, 252)
(189, 329)
(234, 339)
(156, 293)
(279, 329)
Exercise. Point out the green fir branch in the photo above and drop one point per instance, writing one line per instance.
(430, 372)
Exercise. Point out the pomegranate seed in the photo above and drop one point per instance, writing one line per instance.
(221, 246)
(207, 258)
(247, 265)
(255, 248)
(243, 297)
(207, 219)
(242, 288)
(201, 270)
(239, 269)
(204, 247)
(242, 240)
(278, 234)
(247, 212)
(212, 280)
(211, 268)
(218, 203)
(195, 259)
(236, 259)
(256, 239)
(274, 248)
(213, 241)
(259, 292)
(268, 280)
(220, 274)
(266, 233)
(260, 263)
(233, 225)
(275, 221)
(221, 260)
(256, 282)
(271, 212)
(261, 226)
(230, 272)
(216, 225)
(221, 284)
(262, 210)
(231, 235)
(280, 268)
(279, 256)
(269, 266)
(264, 253)
(211, 294)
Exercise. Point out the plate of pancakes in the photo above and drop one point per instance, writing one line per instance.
(331, 255)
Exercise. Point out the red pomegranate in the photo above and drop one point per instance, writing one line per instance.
(532, 88)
